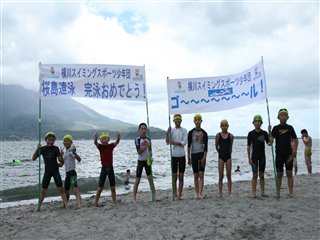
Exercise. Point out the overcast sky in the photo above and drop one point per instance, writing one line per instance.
(178, 40)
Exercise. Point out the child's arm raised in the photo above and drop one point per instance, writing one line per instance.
(118, 139)
(96, 140)
(36, 152)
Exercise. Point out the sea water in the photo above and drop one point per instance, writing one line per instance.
(19, 181)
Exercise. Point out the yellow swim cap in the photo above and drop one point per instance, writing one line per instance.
(104, 135)
(68, 136)
(177, 117)
(257, 117)
(224, 122)
(49, 134)
(283, 110)
(197, 116)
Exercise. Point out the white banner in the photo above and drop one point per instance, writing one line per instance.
(93, 81)
(211, 94)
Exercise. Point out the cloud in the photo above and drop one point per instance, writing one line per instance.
(175, 40)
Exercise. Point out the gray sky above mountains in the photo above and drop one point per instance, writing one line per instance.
(178, 40)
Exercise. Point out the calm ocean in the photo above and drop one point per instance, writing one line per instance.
(19, 182)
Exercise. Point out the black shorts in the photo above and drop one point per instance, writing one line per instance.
(181, 161)
(47, 178)
(259, 164)
(196, 166)
(282, 159)
(71, 180)
(140, 166)
(103, 175)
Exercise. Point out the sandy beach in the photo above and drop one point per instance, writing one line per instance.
(236, 217)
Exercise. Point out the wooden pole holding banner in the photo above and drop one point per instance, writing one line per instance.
(272, 148)
(39, 137)
(171, 161)
(149, 160)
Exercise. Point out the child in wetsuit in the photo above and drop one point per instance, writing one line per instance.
(69, 155)
(50, 155)
(106, 157)
(224, 142)
(256, 153)
(197, 154)
(285, 152)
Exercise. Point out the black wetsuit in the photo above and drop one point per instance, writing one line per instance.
(283, 133)
(50, 155)
(257, 140)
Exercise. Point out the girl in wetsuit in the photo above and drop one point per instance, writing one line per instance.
(224, 141)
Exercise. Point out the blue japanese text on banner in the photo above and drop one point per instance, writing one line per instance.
(210, 94)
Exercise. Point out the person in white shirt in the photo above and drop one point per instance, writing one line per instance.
(177, 137)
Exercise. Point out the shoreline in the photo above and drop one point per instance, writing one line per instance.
(119, 191)
(237, 217)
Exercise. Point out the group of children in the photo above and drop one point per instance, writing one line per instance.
(66, 156)
(178, 137)
(55, 158)
(197, 148)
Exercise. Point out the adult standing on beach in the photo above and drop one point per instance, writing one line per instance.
(284, 134)
(177, 137)
(256, 153)
(197, 154)
(307, 140)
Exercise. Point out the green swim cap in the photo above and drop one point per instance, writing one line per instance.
(197, 116)
(49, 134)
(283, 110)
(104, 135)
(177, 117)
(69, 137)
(257, 117)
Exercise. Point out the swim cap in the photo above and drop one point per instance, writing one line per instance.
(197, 116)
(177, 117)
(68, 136)
(104, 135)
(224, 122)
(257, 117)
(283, 110)
(49, 134)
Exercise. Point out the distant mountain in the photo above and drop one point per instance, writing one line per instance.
(19, 110)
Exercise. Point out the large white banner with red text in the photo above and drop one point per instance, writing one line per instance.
(113, 82)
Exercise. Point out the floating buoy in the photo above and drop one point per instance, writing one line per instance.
(17, 161)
